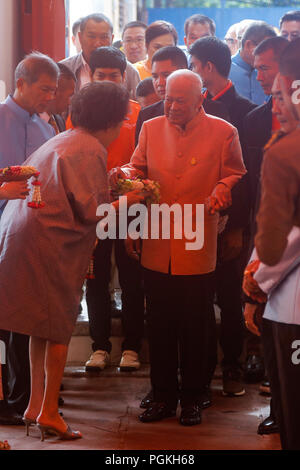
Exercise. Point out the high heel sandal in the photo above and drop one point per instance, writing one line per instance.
(68, 435)
(28, 423)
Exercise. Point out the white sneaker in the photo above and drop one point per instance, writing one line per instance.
(98, 361)
(130, 361)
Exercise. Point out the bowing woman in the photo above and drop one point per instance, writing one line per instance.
(45, 252)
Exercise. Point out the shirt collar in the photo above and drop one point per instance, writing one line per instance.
(18, 110)
(84, 62)
(237, 59)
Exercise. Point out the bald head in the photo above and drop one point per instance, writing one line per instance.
(183, 97)
(186, 78)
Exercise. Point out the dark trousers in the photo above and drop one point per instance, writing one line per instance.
(284, 376)
(16, 371)
(229, 299)
(181, 326)
(99, 301)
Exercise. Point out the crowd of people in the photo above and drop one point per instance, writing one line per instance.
(214, 122)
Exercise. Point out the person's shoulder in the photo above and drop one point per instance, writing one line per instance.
(286, 150)
(72, 62)
(257, 112)
(131, 69)
(156, 123)
(219, 124)
(151, 111)
(243, 102)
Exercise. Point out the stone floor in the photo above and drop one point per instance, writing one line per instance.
(105, 409)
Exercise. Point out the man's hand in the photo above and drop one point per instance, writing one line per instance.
(14, 190)
(253, 314)
(220, 199)
(133, 248)
(231, 244)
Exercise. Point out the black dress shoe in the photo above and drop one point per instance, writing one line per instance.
(190, 415)
(147, 400)
(254, 369)
(268, 426)
(205, 399)
(157, 412)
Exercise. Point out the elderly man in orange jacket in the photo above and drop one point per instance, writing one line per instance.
(196, 159)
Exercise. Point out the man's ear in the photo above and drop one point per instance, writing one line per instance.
(124, 77)
(79, 37)
(20, 84)
(185, 40)
(249, 46)
(210, 66)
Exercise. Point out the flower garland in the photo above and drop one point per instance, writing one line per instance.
(22, 173)
(144, 185)
(4, 445)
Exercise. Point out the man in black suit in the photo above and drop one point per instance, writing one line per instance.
(165, 61)
(259, 125)
(211, 59)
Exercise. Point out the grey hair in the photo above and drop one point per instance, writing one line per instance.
(33, 66)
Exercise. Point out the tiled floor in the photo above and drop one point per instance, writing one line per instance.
(105, 410)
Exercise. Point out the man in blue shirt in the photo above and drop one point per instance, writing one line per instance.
(22, 132)
(243, 74)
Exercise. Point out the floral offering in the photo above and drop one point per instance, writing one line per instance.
(152, 188)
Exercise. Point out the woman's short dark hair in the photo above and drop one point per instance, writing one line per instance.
(99, 106)
(159, 28)
(108, 57)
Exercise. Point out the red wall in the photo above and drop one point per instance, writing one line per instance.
(44, 27)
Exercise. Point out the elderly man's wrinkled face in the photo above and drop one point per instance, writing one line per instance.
(282, 104)
(182, 101)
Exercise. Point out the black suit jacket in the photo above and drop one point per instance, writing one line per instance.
(157, 109)
(238, 107)
(257, 132)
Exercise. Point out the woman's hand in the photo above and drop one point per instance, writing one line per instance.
(14, 190)
(114, 175)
